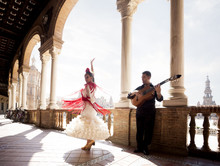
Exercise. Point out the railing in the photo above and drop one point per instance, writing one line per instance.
(64, 117)
(170, 129)
(109, 121)
(206, 112)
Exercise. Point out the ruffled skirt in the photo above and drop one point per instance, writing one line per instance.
(88, 126)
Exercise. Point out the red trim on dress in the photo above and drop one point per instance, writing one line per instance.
(78, 105)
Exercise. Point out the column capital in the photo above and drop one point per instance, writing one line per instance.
(14, 81)
(50, 43)
(14, 84)
(45, 57)
(25, 74)
(127, 7)
(24, 68)
(54, 51)
(20, 75)
(9, 88)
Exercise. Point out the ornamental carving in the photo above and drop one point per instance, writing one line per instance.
(127, 7)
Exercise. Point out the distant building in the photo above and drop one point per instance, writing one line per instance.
(33, 87)
(104, 103)
(207, 98)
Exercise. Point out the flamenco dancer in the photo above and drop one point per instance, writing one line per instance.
(87, 125)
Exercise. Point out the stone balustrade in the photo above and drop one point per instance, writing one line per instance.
(170, 131)
(205, 150)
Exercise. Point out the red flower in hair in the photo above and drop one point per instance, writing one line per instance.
(87, 70)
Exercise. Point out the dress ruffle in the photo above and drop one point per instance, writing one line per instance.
(85, 128)
(87, 125)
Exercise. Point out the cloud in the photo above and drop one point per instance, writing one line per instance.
(206, 5)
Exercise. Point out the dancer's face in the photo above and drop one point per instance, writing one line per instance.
(88, 78)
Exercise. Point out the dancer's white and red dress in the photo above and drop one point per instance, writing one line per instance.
(87, 125)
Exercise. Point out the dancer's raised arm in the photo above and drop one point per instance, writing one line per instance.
(92, 69)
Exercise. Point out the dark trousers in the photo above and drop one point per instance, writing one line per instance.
(145, 126)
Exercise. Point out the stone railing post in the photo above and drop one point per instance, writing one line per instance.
(109, 122)
(104, 118)
(206, 125)
(192, 129)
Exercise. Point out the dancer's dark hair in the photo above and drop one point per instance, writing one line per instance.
(90, 74)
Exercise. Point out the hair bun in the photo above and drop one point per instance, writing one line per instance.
(87, 70)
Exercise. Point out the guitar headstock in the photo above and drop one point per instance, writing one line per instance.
(175, 77)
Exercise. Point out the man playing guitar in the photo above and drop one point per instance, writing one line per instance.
(145, 115)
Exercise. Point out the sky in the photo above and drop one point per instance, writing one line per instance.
(93, 30)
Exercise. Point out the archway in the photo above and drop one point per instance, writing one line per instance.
(103, 42)
(28, 50)
(15, 70)
(62, 17)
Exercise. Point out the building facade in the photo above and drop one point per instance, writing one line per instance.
(207, 98)
(33, 87)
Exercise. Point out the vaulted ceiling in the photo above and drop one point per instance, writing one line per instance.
(16, 19)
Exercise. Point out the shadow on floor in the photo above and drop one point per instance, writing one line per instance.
(95, 155)
(19, 149)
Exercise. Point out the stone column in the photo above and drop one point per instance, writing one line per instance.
(20, 90)
(44, 59)
(178, 98)
(127, 9)
(54, 52)
(24, 89)
(5, 106)
(9, 97)
(14, 84)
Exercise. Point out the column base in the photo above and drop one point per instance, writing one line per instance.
(23, 108)
(175, 102)
(124, 104)
(42, 107)
(53, 106)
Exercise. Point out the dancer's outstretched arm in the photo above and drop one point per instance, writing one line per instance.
(92, 69)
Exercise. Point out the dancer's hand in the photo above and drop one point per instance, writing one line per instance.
(92, 65)
(92, 60)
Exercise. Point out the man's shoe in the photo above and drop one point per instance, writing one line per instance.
(146, 152)
(138, 151)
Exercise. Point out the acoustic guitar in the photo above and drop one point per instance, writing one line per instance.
(147, 93)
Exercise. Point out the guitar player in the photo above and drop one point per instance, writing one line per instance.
(145, 116)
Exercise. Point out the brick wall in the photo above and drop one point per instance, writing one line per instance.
(170, 130)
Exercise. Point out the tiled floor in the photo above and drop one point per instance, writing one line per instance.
(26, 145)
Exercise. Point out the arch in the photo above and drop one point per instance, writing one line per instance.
(28, 49)
(9, 78)
(62, 17)
(15, 70)
(31, 39)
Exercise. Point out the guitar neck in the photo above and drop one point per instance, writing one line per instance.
(165, 81)
(152, 88)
